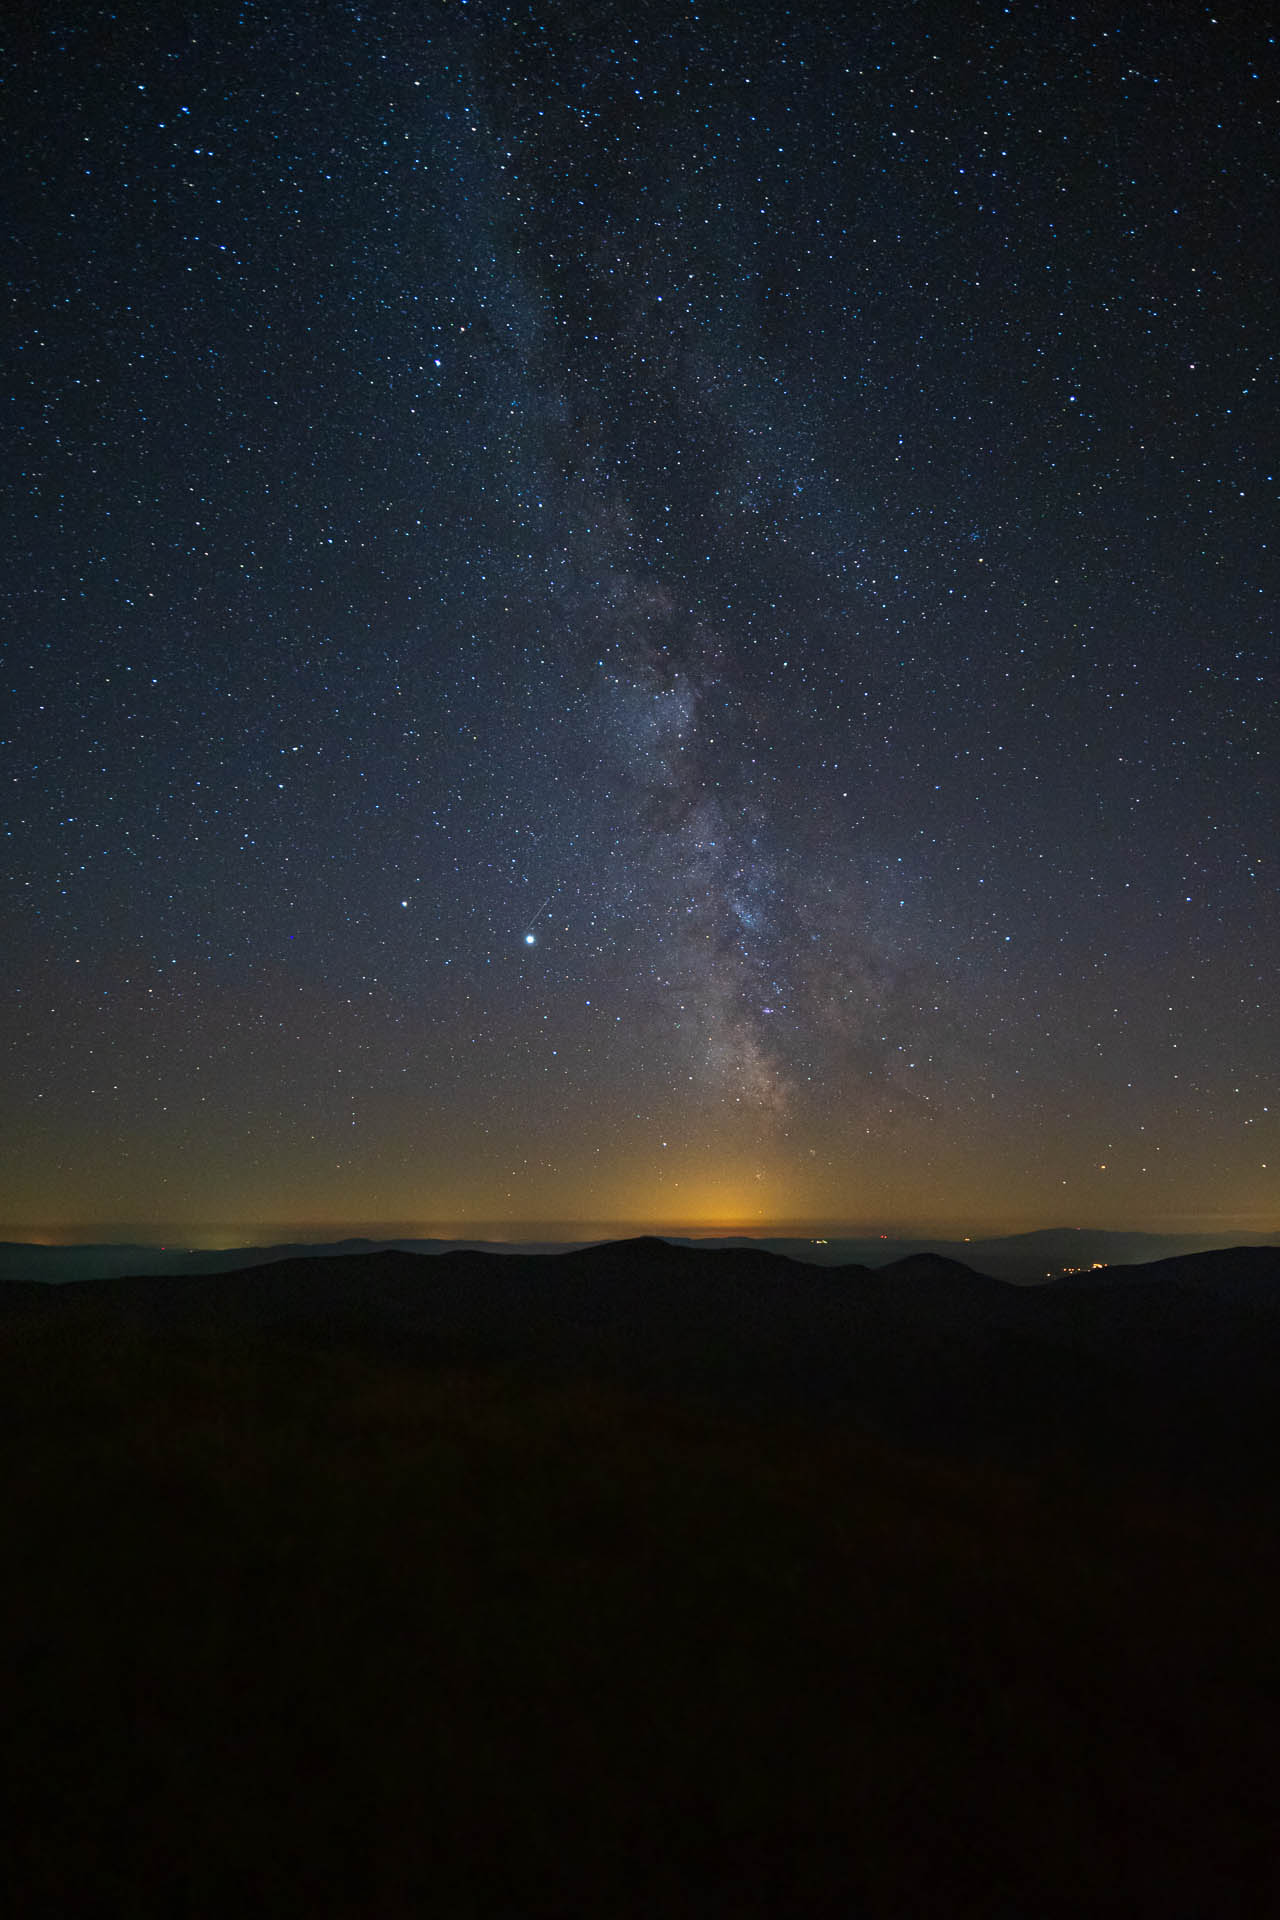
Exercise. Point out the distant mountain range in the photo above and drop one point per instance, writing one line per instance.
(1024, 1258)
(1166, 1368)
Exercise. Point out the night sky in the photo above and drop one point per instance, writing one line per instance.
(640, 615)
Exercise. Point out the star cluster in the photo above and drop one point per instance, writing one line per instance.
(657, 615)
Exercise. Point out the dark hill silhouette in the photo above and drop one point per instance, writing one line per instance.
(928, 1266)
(1168, 1368)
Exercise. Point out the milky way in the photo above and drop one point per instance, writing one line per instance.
(780, 511)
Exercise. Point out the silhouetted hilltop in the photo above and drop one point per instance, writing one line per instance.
(934, 1274)
(643, 1247)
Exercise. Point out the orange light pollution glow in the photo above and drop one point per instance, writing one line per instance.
(990, 1183)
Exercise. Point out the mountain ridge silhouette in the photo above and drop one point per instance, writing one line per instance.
(1169, 1367)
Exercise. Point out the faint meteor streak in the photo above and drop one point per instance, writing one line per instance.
(530, 937)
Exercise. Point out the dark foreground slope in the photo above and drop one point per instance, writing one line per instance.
(326, 1595)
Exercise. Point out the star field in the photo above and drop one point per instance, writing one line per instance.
(654, 615)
